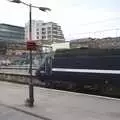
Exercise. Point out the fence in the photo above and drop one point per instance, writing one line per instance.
(16, 59)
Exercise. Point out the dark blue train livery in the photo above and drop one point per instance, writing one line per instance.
(82, 69)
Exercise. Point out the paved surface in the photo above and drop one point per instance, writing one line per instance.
(11, 114)
(59, 105)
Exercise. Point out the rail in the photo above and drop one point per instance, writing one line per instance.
(18, 67)
(18, 74)
(20, 70)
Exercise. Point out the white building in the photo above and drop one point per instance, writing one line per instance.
(46, 32)
(36, 30)
(56, 46)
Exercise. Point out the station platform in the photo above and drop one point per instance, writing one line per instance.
(57, 105)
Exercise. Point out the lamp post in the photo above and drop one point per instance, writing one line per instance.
(30, 101)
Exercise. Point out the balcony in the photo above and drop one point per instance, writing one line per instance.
(54, 28)
(49, 36)
(49, 32)
(54, 32)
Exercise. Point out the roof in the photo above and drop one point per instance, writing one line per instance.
(12, 25)
(87, 52)
(81, 40)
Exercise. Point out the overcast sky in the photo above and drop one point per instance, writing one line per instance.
(74, 16)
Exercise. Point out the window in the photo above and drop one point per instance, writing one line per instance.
(54, 32)
(54, 27)
(37, 37)
(37, 24)
(43, 29)
(54, 36)
(43, 37)
(44, 24)
(49, 32)
(37, 29)
(43, 32)
(37, 33)
(49, 28)
(49, 36)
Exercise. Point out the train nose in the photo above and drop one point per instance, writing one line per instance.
(37, 73)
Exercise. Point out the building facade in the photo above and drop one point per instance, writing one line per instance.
(80, 43)
(11, 33)
(103, 43)
(46, 32)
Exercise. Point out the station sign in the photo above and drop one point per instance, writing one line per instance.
(31, 45)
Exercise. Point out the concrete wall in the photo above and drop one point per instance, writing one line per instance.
(65, 45)
(23, 79)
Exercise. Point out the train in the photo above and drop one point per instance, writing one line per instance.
(82, 69)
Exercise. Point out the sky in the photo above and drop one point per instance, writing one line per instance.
(78, 18)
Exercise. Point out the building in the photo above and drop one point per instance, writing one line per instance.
(56, 46)
(106, 43)
(80, 43)
(36, 30)
(11, 33)
(47, 33)
(103, 43)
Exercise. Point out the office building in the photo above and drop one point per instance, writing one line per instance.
(11, 33)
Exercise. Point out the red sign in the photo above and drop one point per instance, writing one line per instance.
(31, 45)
